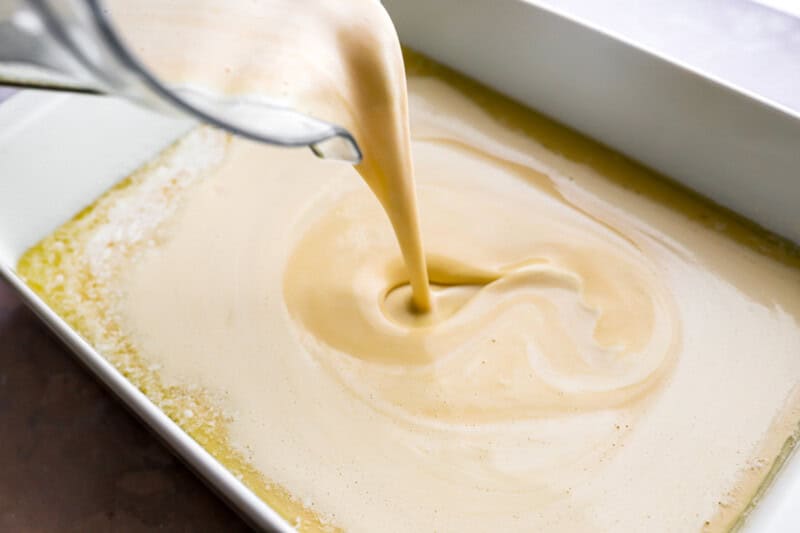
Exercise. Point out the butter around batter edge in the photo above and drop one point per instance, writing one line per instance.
(735, 386)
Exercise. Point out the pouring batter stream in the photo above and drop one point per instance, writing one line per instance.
(333, 59)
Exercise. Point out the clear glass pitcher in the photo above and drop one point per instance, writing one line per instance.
(73, 44)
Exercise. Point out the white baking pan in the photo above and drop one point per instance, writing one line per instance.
(735, 143)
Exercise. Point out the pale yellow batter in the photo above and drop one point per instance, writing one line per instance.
(614, 367)
(603, 354)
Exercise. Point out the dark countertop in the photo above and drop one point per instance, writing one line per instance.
(72, 458)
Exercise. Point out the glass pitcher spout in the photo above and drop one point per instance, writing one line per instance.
(72, 44)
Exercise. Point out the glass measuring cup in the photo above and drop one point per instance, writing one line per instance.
(74, 44)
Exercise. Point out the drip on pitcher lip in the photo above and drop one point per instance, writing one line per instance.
(262, 119)
(340, 147)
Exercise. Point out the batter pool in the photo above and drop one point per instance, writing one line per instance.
(606, 352)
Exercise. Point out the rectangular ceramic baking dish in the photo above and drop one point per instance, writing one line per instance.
(736, 143)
